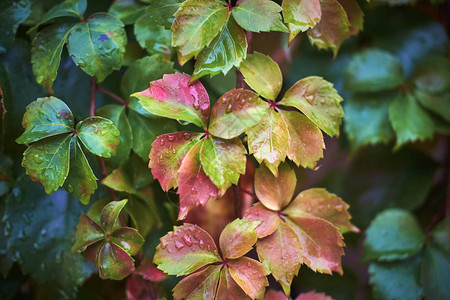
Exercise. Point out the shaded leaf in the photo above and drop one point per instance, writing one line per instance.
(250, 275)
(258, 15)
(199, 285)
(185, 250)
(113, 262)
(152, 37)
(127, 11)
(441, 235)
(118, 180)
(173, 97)
(238, 238)
(128, 239)
(234, 112)
(88, 233)
(393, 234)
(228, 49)
(269, 219)
(98, 45)
(110, 213)
(162, 12)
(262, 74)
(433, 76)
(99, 136)
(301, 15)
(68, 8)
(435, 273)
(319, 101)
(313, 296)
(12, 14)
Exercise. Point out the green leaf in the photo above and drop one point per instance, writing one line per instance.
(116, 113)
(305, 140)
(268, 140)
(98, 45)
(234, 112)
(195, 26)
(373, 70)
(262, 74)
(12, 14)
(109, 215)
(45, 117)
(228, 49)
(99, 136)
(238, 238)
(81, 181)
(113, 262)
(319, 101)
(47, 161)
(333, 27)
(68, 8)
(88, 233)
(46, 53)
(152, 37)
(259, 15)
(440, 234)
(128, 239)
(223, 161)
(40, 232)
(143, 71)
(409, 120)
(435, 274)
(173, 97)
(184, 250)
(393, 234)
(275, 192)
(200, 285)
(372, 111)
(396, 280)
(127, 11)
(162, 12)
(119, 180)
(300, 15)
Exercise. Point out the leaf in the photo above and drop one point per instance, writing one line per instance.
(143, 71)
(275, 192)
(47, 161)
(127, 11)
(410, 121)
(433, 75)
(128, 239)
(250, 275)
(280, 255)
(99, 136)
(258, 15)
(81, 181)
(275, 295)
(267, 140)
(173, 97)
(184, 250)
(305, 140)
(300, 15)
(109, 215)
(68, 8)
(372, 110)
(319, 101)
(12, 14)
(113, 262)
(269, 219)
(199, 285)
(234, 112)
(434, 273)
(162, 12)
(88, 233)
(116, 113)
(152, 37)
(45, 117)
(98, 45)
(373, 70)
(354, 14)
(441, 236)
(228, 288)
(394, 234)
(396, 280)
(333, 27)
(167, 154)
(322, 204)
(195, 26)
(46, 53)
(194, 186)
(118, 180)
(228, 49)
(223, 161)
(238, 238)
(313, 296)
(262, 74)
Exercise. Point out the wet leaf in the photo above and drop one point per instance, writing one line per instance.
(68, 8)
(99, 136)
(88, 233)
(127, 11)
(128, 239)
(269, 219)
(152, 37)
(238, 238)
(354, 14)
(250, 275)
(113, 262)
(118, 180)
(300, 15)
(162, 12)
(199, 285)
(228, 288)
(434, 273)
(109, 215)
(258, 15)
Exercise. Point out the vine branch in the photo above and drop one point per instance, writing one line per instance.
(112, 95)
(93, 83)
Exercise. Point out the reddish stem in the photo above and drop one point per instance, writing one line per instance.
(112, 95)
(93, 97)
(249, 193)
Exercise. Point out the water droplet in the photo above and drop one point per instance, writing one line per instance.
(162, 142)
(229, 108)
(194, 191)
(249, 264)
(44, 232)
(70, 188)
(164, 244)
(17, 194)
(171, 137)
(21, 234)
(81, 63)
(196, 106)
(179, 245)
(201, 244)
(26, 218)
(224, 100)
(38, 159)
(186, 136)
(36, 246)
(161, 156)
(213, 194)
(187, 240)
(58, 258)
(339, 208)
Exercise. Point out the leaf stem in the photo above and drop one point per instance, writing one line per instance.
(447, 198)
(93, 98)
(249, 193)
(112, 95)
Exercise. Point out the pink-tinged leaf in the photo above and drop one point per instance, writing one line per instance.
(88, 232)
(138, 288)
(110, 213)
(113, 262)
(200, 285)
(194, 186)
(268, 140)
(185, 250)
(319, 203)
(238, 238)
(355, 15)
(119, 180)
(333, 27)
(149, 271)
(91, 252)
(128, 239)
(228, 288)
(275, 192)
(275, 295)
(301, 15)
(172, 97)
(223, 161)
(321, 243)
(250, 275)
(234, 112)
(166, 155)
(281, 255)
(269, 219)
(313, 296)
(305, 140)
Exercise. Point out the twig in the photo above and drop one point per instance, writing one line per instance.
(93, 98)
(112, 95)
(249, 193)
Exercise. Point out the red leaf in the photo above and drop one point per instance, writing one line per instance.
(313, 296)
(250, 275)
(269, 219)
(275, 295)
(199, 285)
(149, 272)
(238, 238)
(228, 288)
(113, 262)
(138, 289)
